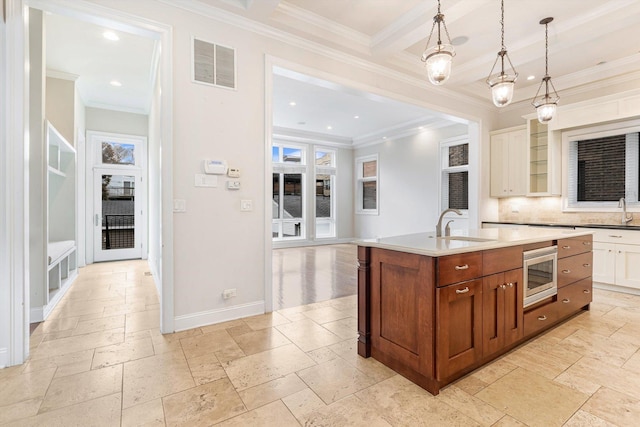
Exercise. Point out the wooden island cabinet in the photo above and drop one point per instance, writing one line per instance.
(435, 318)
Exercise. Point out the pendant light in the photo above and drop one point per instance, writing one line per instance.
(437, 58)
(502, 84)
(546, 105)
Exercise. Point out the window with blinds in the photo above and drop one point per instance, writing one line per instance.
(455, 174)
(603, 169)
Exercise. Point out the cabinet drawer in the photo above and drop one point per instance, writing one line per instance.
(629, 237)
(574, 268)
(540, 317)
(574, 245)
(573, 297)
(459, 267)
(503, 259)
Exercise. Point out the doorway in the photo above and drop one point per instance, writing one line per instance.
(117, 197)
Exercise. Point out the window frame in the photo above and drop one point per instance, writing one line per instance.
(282, 168)
(360, 180)
(570, 193)
(445, 170)
(330, 170)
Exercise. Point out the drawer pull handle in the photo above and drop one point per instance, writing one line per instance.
(566, 300)
(586, 265)
(566, 247)
(461, 267)
(566, 271)
(586, 291)
(462, 291)
(543, 317)
(586, 243)
(615, 237)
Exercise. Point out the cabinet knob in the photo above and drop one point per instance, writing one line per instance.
(566, 271)
(566, 300)
(510, 285)
(503, 286)
(586, 265)
(462, 267)
(586, 291)
(543, 317)
(462, 291)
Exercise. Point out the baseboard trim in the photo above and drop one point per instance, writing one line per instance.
(302, 243)
(616, 288)
(36, 315)
(4, 357)
(204, 318)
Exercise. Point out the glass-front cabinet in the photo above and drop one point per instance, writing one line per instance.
(543, 159)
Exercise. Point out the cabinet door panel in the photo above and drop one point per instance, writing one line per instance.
(492, 313)
(459, 333)
(499, 166)
(628, 266)
(517, 158)
(604, 262)
(513, 306)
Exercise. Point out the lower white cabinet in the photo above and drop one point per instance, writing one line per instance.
(616, 258)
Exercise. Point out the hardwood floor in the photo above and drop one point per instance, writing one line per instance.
(312, 274)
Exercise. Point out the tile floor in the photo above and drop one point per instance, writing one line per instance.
(100, 360)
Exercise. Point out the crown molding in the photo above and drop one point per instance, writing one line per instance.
(120, 108)
(230, 18)
(402, 130)
(62, 75)
(295, 135)
(347, 35)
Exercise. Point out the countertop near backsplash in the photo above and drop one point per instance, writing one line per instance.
(548, 210)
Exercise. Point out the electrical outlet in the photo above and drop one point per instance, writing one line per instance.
(229, 293)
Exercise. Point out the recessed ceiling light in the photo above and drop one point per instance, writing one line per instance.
(110, 35)
(531, 77)
(384, 137)
(329, 127)
(115, 83)
(292, 103)
(356, 117)
(421, 127)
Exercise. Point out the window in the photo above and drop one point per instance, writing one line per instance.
(603, 168)
(325, 173)
(289, 172)
(118, 151)
(455, 174)
(367, 185)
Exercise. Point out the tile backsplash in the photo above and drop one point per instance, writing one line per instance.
(549, 210)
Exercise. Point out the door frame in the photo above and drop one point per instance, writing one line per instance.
(14, 335)
(93, 164)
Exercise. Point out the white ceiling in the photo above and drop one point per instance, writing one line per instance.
(591, 42)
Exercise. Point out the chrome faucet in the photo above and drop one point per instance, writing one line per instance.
(625, 218)
(439, 224)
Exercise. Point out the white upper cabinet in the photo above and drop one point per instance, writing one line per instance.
(509, 162)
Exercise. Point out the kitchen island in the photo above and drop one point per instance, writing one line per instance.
(435, 308)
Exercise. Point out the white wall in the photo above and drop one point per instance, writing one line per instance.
(215, 245)
(80, 144)
(5, 277)
(154, 187)
(408, 184)
(60, 101)
(102, 120)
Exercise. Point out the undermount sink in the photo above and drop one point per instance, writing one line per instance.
(466, 239)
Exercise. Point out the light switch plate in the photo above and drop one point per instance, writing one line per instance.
(204, 180)
(246, 205)
(233, 185)
(179, 205)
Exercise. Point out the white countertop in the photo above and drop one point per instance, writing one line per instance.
(489, 238)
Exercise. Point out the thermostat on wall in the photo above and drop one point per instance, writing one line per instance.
(233, 173)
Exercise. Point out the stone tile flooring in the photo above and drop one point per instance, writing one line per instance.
(101, 360)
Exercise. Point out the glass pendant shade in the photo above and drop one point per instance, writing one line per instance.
(502, 90)
(438, 64)
(546, 111)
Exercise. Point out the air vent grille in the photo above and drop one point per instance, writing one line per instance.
(214, 64)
